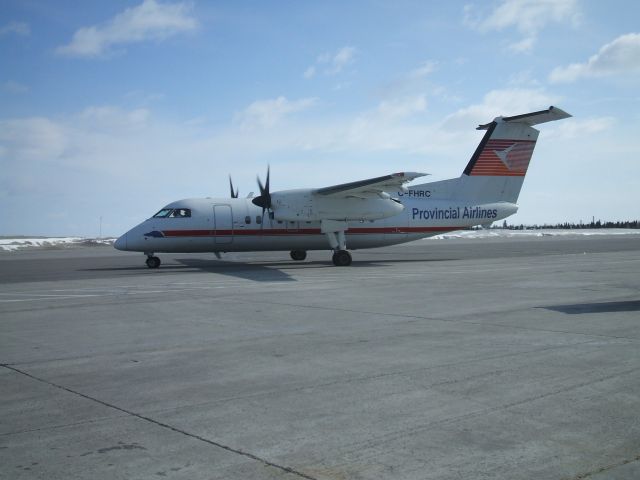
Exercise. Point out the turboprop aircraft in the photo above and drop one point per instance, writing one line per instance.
(364, 214)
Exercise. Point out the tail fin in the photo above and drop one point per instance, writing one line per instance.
(506, 149)
(497, 168)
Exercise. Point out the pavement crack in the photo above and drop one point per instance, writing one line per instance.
(56, 427)
(582, 476)
(158, 423)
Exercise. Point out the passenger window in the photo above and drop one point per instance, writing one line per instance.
(247, 220)
(258, 220)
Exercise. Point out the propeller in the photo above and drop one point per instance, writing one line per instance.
(234, 194)
(264, 199)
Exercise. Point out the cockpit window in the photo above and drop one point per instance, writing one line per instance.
(163, 213)
(180, 213)
(173, 213)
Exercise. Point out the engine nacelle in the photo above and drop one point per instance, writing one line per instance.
(304, 205)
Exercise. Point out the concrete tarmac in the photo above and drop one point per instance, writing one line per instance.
(453, 359)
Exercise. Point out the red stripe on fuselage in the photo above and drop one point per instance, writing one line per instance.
(303, 231)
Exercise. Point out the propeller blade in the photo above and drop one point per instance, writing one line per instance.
(234, 194)
(260, 186)
(264, 200)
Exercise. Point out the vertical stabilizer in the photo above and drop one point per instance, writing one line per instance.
(497, 168)
(499, 164)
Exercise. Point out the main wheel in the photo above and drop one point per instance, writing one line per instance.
(298, 255)
(153, 262)
(341, 258)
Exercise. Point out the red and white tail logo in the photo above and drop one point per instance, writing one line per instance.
(504, 158)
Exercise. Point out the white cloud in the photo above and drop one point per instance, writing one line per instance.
(400, 124)
(148, 21)
(413, 83)
(331, 64)
(582, 128)
(16, 28)
(14, 87)
(527, 16)
(86, 140)
(524, 45)
(267, 113)
(403, 107)
(523, 78)
(621, 56)
(32, 139)
(424, 70)
(310, 72)
(341, 59)
(505, 102)
(114, 118)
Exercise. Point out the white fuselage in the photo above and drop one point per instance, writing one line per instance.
(237, 225)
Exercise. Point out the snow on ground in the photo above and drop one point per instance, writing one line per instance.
(13, 244)
(534, 233)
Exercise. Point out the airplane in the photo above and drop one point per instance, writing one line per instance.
(369, 213)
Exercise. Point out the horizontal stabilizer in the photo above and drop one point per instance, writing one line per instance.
(533, 118)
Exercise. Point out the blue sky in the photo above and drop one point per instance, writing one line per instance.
(113, 109)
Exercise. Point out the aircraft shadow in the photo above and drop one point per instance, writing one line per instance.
(257, 273)
(605, 307)
(277, 271)
(274, 271)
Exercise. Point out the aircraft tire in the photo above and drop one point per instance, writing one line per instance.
(153, 262)
(341, 258)
(298, 255)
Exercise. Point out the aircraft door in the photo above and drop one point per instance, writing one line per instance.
(223, 224)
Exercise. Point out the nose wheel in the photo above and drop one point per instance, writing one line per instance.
(341, 258)
(152, 262)
(298, 255)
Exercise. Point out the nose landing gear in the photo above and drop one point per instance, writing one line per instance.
(298, 255)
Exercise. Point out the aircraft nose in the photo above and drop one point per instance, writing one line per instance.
(121, 243)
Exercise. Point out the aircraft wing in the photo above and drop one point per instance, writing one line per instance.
(370, 186)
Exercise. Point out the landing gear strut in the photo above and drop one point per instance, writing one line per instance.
(298, 255)
(152, 262)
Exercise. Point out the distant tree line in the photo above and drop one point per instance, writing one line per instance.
(571, 226)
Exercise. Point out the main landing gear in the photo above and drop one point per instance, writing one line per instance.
(334, 230)
(341, 258)
(152, 262)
